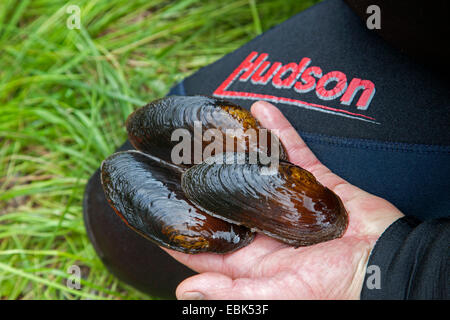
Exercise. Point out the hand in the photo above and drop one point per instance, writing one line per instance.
(269, 269)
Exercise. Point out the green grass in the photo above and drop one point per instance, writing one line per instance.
(64, 96)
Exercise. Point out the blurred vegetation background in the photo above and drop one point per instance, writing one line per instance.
(64, 96)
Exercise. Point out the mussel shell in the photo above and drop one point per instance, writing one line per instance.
(289, 205)
(146, 193)
(150, 128)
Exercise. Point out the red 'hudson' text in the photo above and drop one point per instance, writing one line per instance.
(302, 78)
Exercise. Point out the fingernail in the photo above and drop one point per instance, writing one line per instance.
(261, 104)
(192, 295)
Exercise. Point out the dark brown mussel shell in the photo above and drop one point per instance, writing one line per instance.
(287, 204)
(150, 128)
(146, 193)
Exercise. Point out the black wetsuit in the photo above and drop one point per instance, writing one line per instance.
(369, 110)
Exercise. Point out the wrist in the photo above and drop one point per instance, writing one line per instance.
(379, 224)
(362, 259)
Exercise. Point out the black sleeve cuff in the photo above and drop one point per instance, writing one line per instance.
(410, 261)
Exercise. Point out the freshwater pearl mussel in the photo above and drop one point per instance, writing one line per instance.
(213, 199)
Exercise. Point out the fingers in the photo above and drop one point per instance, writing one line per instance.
(272, 118)
(208, 285)
(235, 264)
(200, 262)
(217, 286)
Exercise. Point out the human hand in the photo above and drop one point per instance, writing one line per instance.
(269, 269)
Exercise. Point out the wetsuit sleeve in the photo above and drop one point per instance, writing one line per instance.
(412, 259)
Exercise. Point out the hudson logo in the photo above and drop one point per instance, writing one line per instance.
(301, 78)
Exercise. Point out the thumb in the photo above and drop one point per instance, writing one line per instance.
(217, 286)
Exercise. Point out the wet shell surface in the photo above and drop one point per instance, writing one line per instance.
(215, 204)
(288, 204)
(147, 195)
(151, 127)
